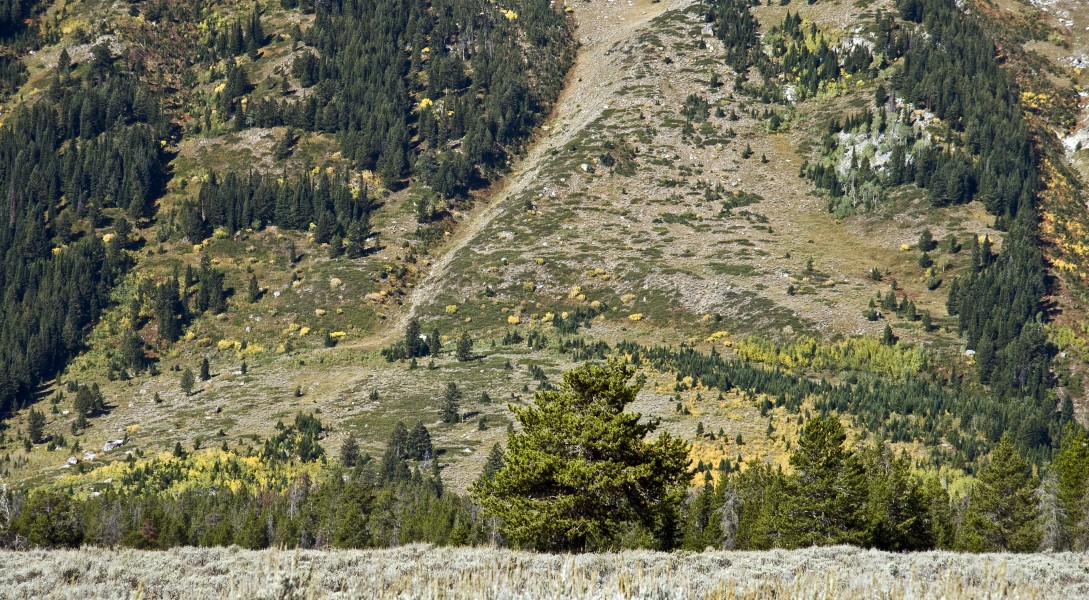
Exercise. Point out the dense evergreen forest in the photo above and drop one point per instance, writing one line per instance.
(451, 111)
(442, 93)
(14, 16)
(16, 38)
(437, 94)
(339, 211)
(999, 305)
(77, 166)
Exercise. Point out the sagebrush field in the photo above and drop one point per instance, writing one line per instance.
(428, 572)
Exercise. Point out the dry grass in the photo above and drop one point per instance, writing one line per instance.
(426, 572)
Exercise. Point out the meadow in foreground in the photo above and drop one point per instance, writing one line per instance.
(421, 571)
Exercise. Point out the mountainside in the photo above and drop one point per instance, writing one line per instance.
(251, 244)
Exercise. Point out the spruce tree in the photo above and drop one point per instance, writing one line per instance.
(393, 467)
(581, 468)
(451, 399)
(412, 339)
(169, 310)
(434, 342)
(465, 347)
(897, 508)
(205, 369)
(353, 512)
(493, 463)
(188, 381)
(349, 452)
(926, 241)
(130, 350)
(1071, 467)
(939, 512)
(253, 290)
(35, 426)
(828, 488)
(358, 232)
(336, 246)
(1002, 513)
(419, 443)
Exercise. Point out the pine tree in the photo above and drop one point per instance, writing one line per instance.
(349, 452)
(392, 466)
(353, 512)
(205, 369)
(412, 339)
(419, 443)
(236, 41)
(253, 291)
(35, 426)
(283, 147)
(434, 343)
(451, 399)
(1002, 513)
(465, 347)
(493, 463)
(50, 518)
(64, 63)
(88, 402)
(1071, 467)
(926, 241)
(828, 488)
(130, 350)
(358, 232)
(985, 253)
(336, 246)
(939, 512)
(169, 310)
(188, 381)
(435, 479)
(82, 403)
(255, 33)
(897, 509)
(581, 468)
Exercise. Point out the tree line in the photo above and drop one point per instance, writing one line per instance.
(339, 209)
(580, 473)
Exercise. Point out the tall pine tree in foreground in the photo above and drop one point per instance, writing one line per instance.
(581, 470)
(1071, 469)
(1002, 510)
(828, 489)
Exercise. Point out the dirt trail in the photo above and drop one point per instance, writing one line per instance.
(593, 80)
